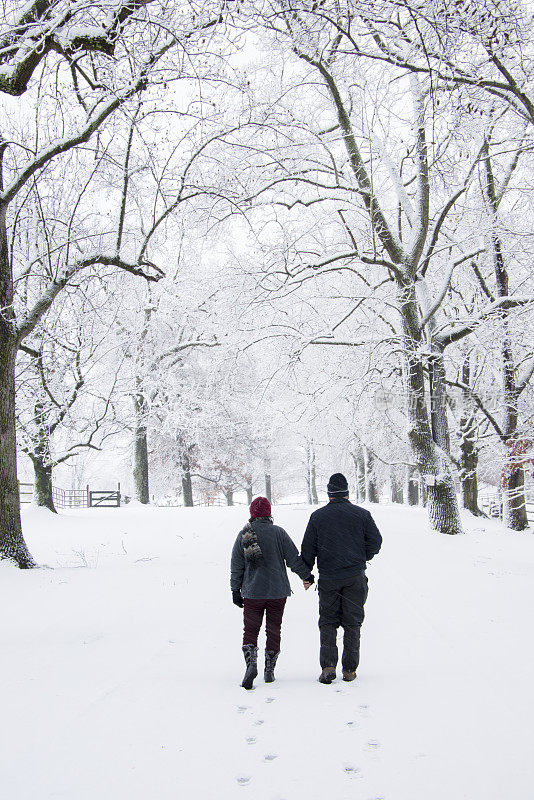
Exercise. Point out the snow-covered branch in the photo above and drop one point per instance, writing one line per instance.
(94, 122)
(147, 270)
(525, 376)
(46, 26)
(443, 291)
(454, 333)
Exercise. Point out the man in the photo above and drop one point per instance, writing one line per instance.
(342, 537)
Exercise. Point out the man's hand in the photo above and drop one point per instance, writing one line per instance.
(308, 582)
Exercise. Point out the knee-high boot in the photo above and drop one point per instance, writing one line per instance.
(250, 652)
(270, 663)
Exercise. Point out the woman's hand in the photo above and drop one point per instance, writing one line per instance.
(237, 600)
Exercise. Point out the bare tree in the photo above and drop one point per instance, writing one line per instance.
(100, 60)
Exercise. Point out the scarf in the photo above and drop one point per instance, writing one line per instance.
(251, 548)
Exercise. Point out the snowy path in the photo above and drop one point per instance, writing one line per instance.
(121, 680)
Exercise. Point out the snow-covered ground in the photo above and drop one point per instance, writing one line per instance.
(121, 666)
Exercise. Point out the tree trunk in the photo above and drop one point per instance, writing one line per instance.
(412, 487)
(308, 475)
(268, 480)
(372, 488)
(250, 493)
(308, 488)
(12, 544)
(513, 477)
(43, 495)
(313, 476)
(187, 483)
(438, 402)
(514, 505)
(361, 480)
(397, 495)
(434, 464)
(41, 460)
(140, 454)
(229, 496)
(468, 448)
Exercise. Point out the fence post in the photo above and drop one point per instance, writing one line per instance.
(88, 497)
(119, 497)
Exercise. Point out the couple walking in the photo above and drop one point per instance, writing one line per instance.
(341, 537)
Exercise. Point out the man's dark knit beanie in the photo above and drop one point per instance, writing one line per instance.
(337, 485)
(260, 507)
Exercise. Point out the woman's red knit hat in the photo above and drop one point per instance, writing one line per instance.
(260, 507)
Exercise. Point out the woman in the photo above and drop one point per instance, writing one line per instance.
(260, 584)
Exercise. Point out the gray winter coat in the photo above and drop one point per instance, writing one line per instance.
(267, 581)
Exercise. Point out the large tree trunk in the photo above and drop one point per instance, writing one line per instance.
(12, 544)
(434, 464)
(187, 483)
(140, 453)
(229, 496)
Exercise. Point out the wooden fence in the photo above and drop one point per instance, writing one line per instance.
(76, 498)
(491, 504)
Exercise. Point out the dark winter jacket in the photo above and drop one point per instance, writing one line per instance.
(341, 537)
(268, 580)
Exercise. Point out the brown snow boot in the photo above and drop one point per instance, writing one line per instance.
(327, 675)
(349, 675)
(250, 652)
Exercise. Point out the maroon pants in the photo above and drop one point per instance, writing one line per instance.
(253, 611)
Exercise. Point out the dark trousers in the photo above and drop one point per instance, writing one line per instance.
(253, 611)
(341, 604)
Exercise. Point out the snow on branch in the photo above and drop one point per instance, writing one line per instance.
(525, 376)
(46, 27)
(145, 270)
(455, 333)
(446, 283)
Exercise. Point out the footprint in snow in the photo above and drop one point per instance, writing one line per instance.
(242, 709)
(372, 744)
(352, 771)
(270, 757)
(243, 779)
(251, 740)
(259, 722)
(270, 699)
(352, 724)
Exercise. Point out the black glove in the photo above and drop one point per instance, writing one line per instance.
(311, 579)
(237, 599)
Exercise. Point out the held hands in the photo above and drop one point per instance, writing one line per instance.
(308, 582)
(237, 600)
